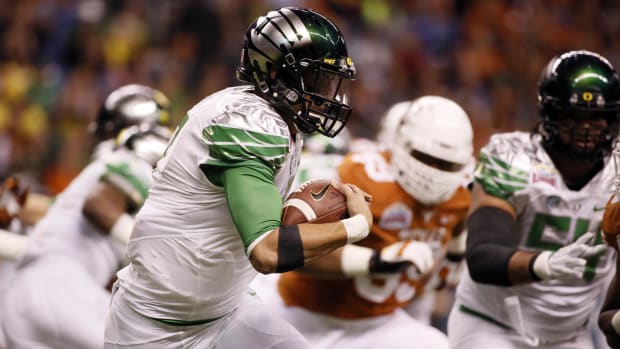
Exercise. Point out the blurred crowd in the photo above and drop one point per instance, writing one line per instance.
(60, 58)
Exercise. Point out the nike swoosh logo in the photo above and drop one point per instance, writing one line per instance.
(318, 196)
(597, 209)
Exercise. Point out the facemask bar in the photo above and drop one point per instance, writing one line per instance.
(325, 95)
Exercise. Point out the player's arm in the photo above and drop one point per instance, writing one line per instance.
(35, 207)
(256, 208)
(354, 260)
(106, 207)
(491, 253)
(493, 258)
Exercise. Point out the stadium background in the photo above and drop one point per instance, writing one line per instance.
(59, 59)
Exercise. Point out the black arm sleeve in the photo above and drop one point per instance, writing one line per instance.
(491, 241)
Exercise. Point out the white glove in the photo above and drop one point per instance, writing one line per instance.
(399, 255)
(569, 262)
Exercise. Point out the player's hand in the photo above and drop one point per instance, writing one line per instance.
(569, 262)
(357, 200)
(611, 222)
(12, 198)
(400, 255)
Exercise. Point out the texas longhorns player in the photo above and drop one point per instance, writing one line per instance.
(353, 297)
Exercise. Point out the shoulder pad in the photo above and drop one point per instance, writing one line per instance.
(503, 166)
(129, 174)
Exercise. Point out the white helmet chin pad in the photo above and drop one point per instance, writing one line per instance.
(432, 148)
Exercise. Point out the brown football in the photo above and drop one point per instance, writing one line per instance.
(315, 201)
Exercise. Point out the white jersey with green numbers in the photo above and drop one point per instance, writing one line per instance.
(515, 167)
(188, 261)
(65, 230)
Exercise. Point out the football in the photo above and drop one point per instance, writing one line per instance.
(315, 201)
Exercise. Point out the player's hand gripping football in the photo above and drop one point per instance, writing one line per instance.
(569, 262)
(357, 200)
(12, 198)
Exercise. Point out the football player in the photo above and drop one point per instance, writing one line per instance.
(536, 267)
(58, 296)
(353, 298)
(212, 218)
(128, 105)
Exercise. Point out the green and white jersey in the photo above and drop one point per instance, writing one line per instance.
(188, 260)
(65, 230)
(515, 167)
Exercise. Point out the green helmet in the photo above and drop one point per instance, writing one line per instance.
(577, 86)
(298, 59)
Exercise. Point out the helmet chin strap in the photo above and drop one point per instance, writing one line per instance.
(283, 99)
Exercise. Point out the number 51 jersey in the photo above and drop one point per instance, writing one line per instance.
(397, 217)
(515, 167)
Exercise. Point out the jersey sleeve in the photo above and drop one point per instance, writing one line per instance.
(128, 174)
(234, 140)
(497, 171)
(254, 201)
(246, 147)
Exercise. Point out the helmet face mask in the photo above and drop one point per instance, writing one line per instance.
(579, 103)
(432, 149)
(298, 60)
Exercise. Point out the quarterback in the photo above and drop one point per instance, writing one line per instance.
(212, 218)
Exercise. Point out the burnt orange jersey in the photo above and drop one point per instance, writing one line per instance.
(397, 216)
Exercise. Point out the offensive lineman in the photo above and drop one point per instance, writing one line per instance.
(533, 274)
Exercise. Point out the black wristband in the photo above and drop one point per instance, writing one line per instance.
(290, 249)
(378, 265)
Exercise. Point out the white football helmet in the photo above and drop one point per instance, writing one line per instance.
(389, 123)
(432, 147)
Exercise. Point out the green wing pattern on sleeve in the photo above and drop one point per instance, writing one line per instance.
(498, 178)
(228, 144)
(120, 176)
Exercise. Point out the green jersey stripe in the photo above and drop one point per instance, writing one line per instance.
(493, 188)
(501, 176)
(501, 166)
(232, 144)
(121, 176)
(226, 134)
